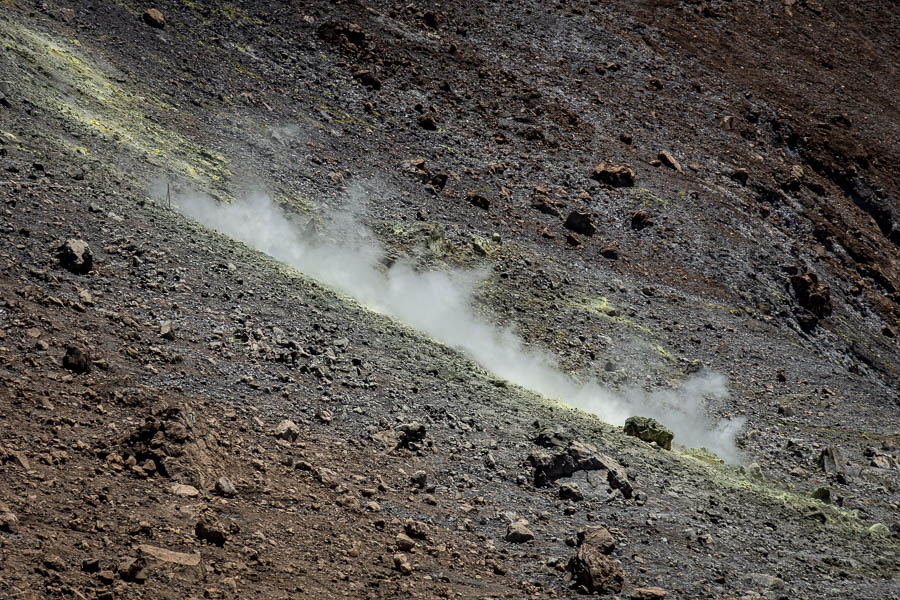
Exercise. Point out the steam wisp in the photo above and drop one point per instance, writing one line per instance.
(439, 304)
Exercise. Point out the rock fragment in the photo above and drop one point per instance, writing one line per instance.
(75, 256)
(570, 491)
(9, 522)
(666, 158)
(210, 532)
(580, 222)
(287, 430)
(596, 571)
(647, 593)
(649, 430)
(578, 456)
(185, 491)
(225, 488)
(76, 360)
(641, 220)
(164, 555)
(154, 18)
(614, 175)
(518, 532)
(402, 564)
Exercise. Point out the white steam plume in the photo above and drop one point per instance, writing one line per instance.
(439, 303)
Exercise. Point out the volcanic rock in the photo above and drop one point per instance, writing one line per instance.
(225, 488)
(164, 555)
(210, 532)
(570, 491)
(614, 175)
(75, 256)
(410, 433)
(812, 295)
(578, 456)
(402, 564)
(476, 199)
(641, 219)
(649, 430)
(287, 430)
(77, 360)
(597, 572)
(154, 18)
(666, 158)
(8, 520)
(580, 222)
(597, 537)
(518, 532)
(647, 593)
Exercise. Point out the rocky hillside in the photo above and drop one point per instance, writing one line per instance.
(687, 210)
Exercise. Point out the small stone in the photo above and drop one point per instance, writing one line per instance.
(666, 158)
(8, 520)
(287, 430)
(77, 360)
(404, 542)
(476, 199)
(879, 529)
(580, 222)
(596, 572)
(570, 491)
(740, 175)
(225, 488)
(518, 532)
(185, 491)
(415, 529)
(597, 537)
(614, 175)
(167, 330)
(647, 593)
(641, 220)
(169, 556)
(210, 532)
(402, 564)
(154, 18)
(419, 478)
(822, 494)
(649, 430)
(75, 256)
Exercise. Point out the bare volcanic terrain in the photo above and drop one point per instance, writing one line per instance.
(503, 299)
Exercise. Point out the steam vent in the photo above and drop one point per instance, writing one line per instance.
(450, 300)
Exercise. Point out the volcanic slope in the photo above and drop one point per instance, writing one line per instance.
(751, 233)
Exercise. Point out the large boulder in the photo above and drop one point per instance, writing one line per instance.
(578, 456)
(649, 430)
